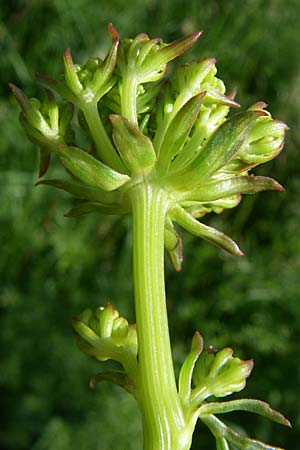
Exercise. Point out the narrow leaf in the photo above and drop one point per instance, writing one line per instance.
(20, 96)
(135, 148)
(155, 64)
(105, 71)
(176, 48)
(186, 372)
(215, 97)
(70, 73)
(89, 170)
(178, 131)
(249, 405)
(89, 207)
(231, 186)
(82, 191)
(58, 86)
(220, 148)
(219, 429)
(31, 111)
(210, 234)
(45, 155)
(119, 378)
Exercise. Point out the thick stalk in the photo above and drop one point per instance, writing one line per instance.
(163, 421)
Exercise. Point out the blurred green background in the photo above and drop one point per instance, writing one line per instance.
(52, 267)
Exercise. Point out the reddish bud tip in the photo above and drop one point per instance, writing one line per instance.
(284, 125)
(261, 105)
(196, 35)
(232, 93)
(280, 188)
(68, 56)
(211, 59)
(113, 32)
(12, 86)
(248, 366)
(20, 96)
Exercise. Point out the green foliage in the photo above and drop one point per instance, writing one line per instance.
(48, 263)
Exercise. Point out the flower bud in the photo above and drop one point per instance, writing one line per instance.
(120, 330)
(46, 123)
(90, 81)
(135, 148)
(264, 142)
(232, 377)
(105, 335)
(106, 317)
(147, 59)
(220, 374)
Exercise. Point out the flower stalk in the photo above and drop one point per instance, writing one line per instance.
(163, 421)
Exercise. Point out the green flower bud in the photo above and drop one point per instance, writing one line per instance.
(135, 148)
(106, 317)
(120, 330)
(147, 58)
(264, 142)
(219, 374)
(232, 378)
(104, 334)
(46, 123)
(92, 80)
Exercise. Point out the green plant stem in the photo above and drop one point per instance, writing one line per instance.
(105, 149)
(128, 99)
(163, 420)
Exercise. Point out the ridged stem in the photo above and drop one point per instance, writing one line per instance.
(163, 421)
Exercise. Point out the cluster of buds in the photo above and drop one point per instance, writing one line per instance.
(211, 373)
(141, 126)
(218, 374)
(104, 334)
